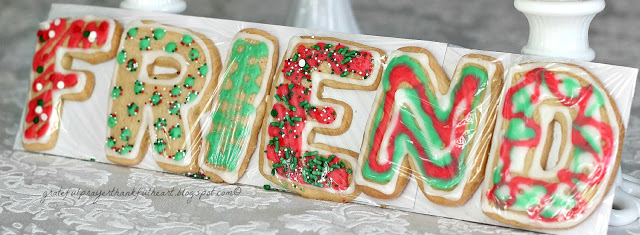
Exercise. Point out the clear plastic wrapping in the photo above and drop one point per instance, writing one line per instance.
(398, 123)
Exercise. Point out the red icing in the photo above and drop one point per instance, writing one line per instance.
(565, 176)
(74, 37)
(466, 92)
(293, 109)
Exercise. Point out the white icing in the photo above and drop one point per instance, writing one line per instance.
(535, 170)
(79, 87)
(232, 176)
(147, 110)
(444, 101)
(60, 85)
(52, 34)
(44, 117)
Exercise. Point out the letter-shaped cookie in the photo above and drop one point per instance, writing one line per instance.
(437, 128)
(298, 110)
(91, 39)
(160, 108)
(239, 106)
(555, 150)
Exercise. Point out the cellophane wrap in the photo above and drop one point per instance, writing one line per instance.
(406, 120)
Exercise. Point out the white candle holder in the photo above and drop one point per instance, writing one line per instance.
(169, 6)
(559, 28)
(330, 15)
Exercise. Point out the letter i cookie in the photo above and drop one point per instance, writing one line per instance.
(239, 106)
(161, 109)
(555, 150)
(89, 38)
(298, 110)
(437, 128)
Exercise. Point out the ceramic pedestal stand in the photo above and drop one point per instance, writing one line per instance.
(560, 28)
(330, 15)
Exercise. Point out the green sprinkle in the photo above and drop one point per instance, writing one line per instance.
(277, 165)
(318, 184)
(295, 56)
(267, 187)
(297, 119)
(344, 74)
(274, 113)
(349, 171)
(310, 153)
(346, 60)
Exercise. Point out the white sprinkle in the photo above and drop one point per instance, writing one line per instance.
(302, 62)
(56, 22)
(60, 85)
(44, 117)
(38, 86)
(52, 33)
(92, 36)
(45, 25)
(38, 109)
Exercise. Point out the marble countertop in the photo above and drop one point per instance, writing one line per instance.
(486, 25)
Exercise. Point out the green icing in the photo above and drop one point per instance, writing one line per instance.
(203, 70)
(116, 92)
(191, 96)
(132, 109)
(175, 91)
(132, 32)
(156, 98)
(125, 149)
(530, 197)
(112, 121)
(132, 65)
(111, 142)
(193, 54)
(159, 33)
(503, 193)
(145, 43)
(171, 47)
(519, 131)
(572, 87)
(558, 204)
(229, 121)
(122, 57)
(160, 123)
(592, 138)
(175, 132)
(522, 102)
(429, 138)
(187, 40)
(159, 145)
(497, 175)
(174, 108)
(595, 104)
(125, 135)
(189, 81)
(138, 87)
(179, 155)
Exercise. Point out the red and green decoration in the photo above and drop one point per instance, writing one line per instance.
(292, 110)
(155, 96)
(437, 150)
(592, 140)
(57, 34)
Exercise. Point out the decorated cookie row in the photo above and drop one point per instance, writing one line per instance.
(546, 138)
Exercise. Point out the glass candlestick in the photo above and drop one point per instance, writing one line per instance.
(330, 15)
